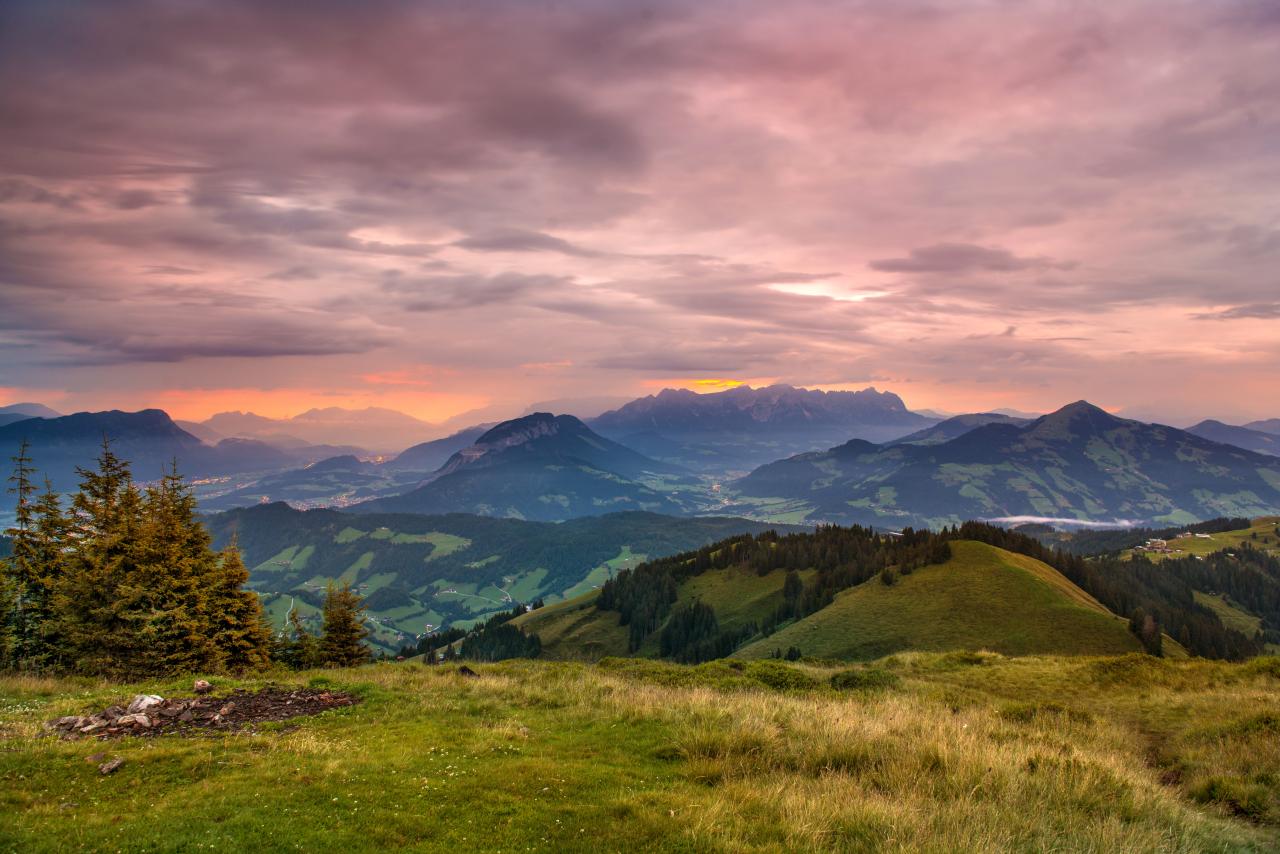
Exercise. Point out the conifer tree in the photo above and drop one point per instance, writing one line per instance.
(22, 622)
(241, 632)
(303, 648)
(342, 644)
(100, 597)
(177, 583)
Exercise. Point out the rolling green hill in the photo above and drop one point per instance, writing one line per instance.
(983, 598)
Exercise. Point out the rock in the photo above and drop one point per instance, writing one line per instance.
(110, 767)
(467, 671)
(226, 710)
(68, 722)
(186, 716)
(202, 686)
(134, 720)
(112, 712)
(142, 702)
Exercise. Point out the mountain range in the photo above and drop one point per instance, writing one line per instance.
(1077, 463)
(540, 467)
(22, 411)
(684, 458)
(375, 429)
(745, 427)
(1242, 437)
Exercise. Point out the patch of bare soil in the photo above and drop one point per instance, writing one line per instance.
(149, 715)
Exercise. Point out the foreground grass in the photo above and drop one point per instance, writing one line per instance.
(923, 751)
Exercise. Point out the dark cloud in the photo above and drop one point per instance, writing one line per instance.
(962, 258)
(1255, 311)
(439, 293)
(518, 240)
(644, 188)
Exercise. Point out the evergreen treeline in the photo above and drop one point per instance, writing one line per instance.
(1163, 591)
(122, 581)
(492, 640)
(843, 558)
(1157, 597)
(693, 635)
(495, 639)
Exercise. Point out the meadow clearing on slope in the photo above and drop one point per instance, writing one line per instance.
(958, 751)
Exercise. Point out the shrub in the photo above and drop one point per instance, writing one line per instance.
(864, 679)
(779, 677)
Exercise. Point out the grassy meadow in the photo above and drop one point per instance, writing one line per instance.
(918, 751)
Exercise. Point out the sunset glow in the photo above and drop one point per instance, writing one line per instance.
(235, 205)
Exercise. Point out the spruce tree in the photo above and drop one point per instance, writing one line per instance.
(342, 644)
(177, 583)
(100, 597)
(242, 634)
(22, 620)
(303, 649)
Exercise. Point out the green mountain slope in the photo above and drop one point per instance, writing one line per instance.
(577, 630)
(983, 598)
(417, 570)
(1076, 463)
(540, 467)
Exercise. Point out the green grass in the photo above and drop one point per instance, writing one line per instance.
(1261, 534)
(983, 598)
(949, 753)
(1232, 617)
(574, 630)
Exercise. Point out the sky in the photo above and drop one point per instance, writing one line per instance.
(455, 208)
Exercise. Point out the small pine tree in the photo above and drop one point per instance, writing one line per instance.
(241, 631)
(342, 644)
(302, 650)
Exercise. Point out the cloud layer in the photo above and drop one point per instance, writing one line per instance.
(978, 204)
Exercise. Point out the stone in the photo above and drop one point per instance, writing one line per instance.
(202, 686)
(68, 722)
(138, 719)
(186, 716)
(142, 702)
(112, 712)
(110, 767)
(226, 710)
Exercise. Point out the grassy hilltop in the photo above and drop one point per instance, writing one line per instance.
(983, 597)
(930, 751)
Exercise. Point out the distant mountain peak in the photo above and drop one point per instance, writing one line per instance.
(1082, 412)
(531, 426)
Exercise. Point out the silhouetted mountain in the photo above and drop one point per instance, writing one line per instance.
(958, 425)
(1241, 437)
(1269, 425)
(149, 439)
(1079, 462)
(744, 426)
(14, 412)
(541, 466)
(377, 429)
(429, 456)
(201, 431)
